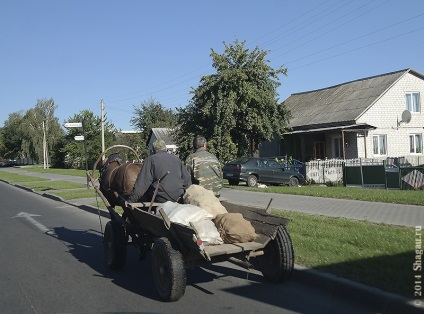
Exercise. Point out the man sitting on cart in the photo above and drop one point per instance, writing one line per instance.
(164, 169)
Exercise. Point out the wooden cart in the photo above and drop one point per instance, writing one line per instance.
(176, 247)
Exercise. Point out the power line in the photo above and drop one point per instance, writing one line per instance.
(359, 48)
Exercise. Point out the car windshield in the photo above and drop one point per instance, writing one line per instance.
(239, 161)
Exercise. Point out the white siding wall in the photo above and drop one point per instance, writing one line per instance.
(384, 114)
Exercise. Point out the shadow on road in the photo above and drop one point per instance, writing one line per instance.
(136, 276)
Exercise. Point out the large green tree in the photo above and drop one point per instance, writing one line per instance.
(74, 150)
(237, 107)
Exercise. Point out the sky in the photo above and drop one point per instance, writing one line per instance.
(127, 52)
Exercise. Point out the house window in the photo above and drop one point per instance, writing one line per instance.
(415, 143)
(413, 102)
(319, 150)
(337, 147)
(379, 144)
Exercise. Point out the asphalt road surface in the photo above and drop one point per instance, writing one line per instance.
(52, 261)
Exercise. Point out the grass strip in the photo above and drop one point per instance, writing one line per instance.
(54, 185)
(17, 178)
(375, 254)
(76, 194)
(69, 172)
(411, 197)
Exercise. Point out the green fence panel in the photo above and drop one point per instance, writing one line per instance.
(392, 179)
(374, 175)
(352, 175)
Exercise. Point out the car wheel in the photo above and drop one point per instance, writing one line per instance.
(294, 181)
(252, 180)
(233, 182)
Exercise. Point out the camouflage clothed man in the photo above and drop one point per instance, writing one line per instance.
(204, 168)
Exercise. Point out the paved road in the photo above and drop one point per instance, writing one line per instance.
(52, 261)
(396, 214)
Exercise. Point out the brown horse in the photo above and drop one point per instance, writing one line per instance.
(117, 175)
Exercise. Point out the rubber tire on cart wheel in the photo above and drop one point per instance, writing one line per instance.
(294, 181)
(233, 182)
(115, 244)
(169, 271)
(278, 260)
(252, 180)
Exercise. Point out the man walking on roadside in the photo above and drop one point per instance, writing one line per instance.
(204, 168)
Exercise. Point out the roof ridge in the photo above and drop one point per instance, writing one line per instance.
(358, 80)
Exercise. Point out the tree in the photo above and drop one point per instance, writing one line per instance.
(12, 136)
(151, 114)
(39, 124)
(237, 107)
(74, 150)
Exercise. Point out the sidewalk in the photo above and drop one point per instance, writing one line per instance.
(378, 300)
(393, 214)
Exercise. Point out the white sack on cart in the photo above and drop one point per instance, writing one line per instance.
(184, 213)
(208, 232)
(201, 219)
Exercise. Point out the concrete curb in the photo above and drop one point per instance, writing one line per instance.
(378, 300)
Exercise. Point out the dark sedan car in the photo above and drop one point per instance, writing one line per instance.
(9, 163)
(260, 170)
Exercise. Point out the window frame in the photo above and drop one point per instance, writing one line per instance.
(413, 142)
(413, 106)
(336, 147)
(381, 139)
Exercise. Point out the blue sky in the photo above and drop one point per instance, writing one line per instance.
(125, 52)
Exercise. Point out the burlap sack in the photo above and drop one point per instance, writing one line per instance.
(199, 196)
(233, 228)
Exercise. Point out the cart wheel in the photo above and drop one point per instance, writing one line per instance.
(115, 245)
(169, 271)
(277, 262)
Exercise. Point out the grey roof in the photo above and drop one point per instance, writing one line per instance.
(164, 134)
(341, 104)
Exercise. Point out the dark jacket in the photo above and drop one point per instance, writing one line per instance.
(154, 168)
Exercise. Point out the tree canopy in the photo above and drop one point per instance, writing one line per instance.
(237, 107)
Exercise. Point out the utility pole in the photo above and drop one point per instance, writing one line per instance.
(45, 153)
(102, 106)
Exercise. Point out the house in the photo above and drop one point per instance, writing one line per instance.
(164, 134)
(374, 117)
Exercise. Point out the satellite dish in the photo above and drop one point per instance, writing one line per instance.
(406, 116)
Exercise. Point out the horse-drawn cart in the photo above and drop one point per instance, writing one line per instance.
(176, 247)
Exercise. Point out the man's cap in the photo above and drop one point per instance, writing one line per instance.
(159, 145)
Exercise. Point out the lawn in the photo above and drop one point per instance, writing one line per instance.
(55, 185)
(69, 172)
(375, 254)
(18, 178)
